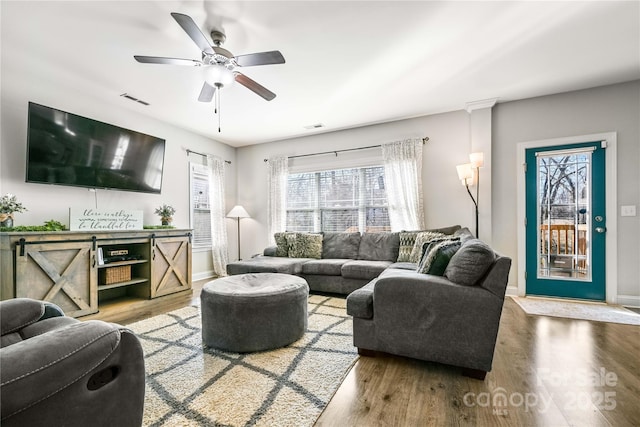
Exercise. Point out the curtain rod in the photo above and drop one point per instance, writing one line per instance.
(424, 141)
(204, 155)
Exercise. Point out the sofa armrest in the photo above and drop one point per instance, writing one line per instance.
(360, 301)
(414, 306)
(37, 368)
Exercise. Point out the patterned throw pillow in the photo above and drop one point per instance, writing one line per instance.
(407, 240)
(437, 255)
(282, 245)
(422, 238)
(305, 245)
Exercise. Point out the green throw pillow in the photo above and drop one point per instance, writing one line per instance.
(305, 245)
(437, 255)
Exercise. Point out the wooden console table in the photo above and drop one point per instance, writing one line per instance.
(63, 267)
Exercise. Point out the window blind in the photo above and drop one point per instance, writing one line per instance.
(200, 213)
(341, 200)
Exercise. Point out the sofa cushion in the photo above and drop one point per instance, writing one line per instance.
(422, 238)
(267, 264)
(379, 246)
(340, 245)
(404, 266)
(364, 269)
(305, 245)
(470, 263)
(437, 255)
(326, 267)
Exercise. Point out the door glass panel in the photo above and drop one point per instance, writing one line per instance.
(564, 209)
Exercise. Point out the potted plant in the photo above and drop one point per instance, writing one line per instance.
(166, 214)
(9, 204)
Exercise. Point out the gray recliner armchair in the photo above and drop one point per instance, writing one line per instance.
(56, 370)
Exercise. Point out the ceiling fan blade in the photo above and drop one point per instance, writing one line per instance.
(193, 31)
(207, 92)
(262, 58)
(254, 86)
(162, 60)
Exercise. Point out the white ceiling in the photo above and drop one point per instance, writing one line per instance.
(348, 64)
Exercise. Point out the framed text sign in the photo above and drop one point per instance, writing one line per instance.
(104, 219)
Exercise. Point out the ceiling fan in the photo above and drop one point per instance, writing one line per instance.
(218, 64)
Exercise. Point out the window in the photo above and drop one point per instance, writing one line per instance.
(338, 200)
(200, 214)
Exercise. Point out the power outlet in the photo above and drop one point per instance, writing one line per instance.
(628, 210)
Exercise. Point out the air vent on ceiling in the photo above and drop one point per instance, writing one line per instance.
(126, 95)
(316, 126)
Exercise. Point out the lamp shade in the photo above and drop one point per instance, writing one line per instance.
(465, 173)
(238, 212)
(218, 74)
(477, 159)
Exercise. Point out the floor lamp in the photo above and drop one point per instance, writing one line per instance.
(466, 173)
(238, 212)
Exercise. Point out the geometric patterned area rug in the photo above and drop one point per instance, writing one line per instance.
(189, 384)
(598, 312)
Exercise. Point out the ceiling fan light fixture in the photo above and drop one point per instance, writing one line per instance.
(218, 75)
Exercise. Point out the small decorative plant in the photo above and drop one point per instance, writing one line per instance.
(166, 214)
(9, 204)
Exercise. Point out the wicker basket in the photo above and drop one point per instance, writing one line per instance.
(111, 275)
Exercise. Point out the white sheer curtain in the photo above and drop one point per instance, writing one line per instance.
(277, 203)
(403, 178)
(217, 211)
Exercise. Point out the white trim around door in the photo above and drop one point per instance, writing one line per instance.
(612, 205)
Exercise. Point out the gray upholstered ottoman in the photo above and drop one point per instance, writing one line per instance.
(254, 312)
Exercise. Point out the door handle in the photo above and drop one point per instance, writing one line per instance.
(600, 229)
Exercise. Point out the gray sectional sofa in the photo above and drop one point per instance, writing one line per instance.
(348, 262)
(450, 317)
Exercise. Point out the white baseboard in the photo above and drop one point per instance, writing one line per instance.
(629, 300)
(512, 290)
(202, 275)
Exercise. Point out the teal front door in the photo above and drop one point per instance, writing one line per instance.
(566, 221)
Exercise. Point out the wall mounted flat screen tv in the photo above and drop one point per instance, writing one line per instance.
(67, 149)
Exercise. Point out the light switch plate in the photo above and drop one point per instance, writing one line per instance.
(629, 210)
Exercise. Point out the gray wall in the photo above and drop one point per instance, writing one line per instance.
(608, 108)
(446, 201)
(21, 84)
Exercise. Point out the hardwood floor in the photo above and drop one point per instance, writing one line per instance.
(546, 372)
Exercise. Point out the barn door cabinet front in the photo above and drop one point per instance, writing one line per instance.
(171, 265)
(63, 273)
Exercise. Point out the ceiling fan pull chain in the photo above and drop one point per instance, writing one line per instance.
(219, 110)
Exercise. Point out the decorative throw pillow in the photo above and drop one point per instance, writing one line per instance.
(282, 245)
(437, 256)
(305, 245)
(422, 238)
(407, 240)
(470, 263)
